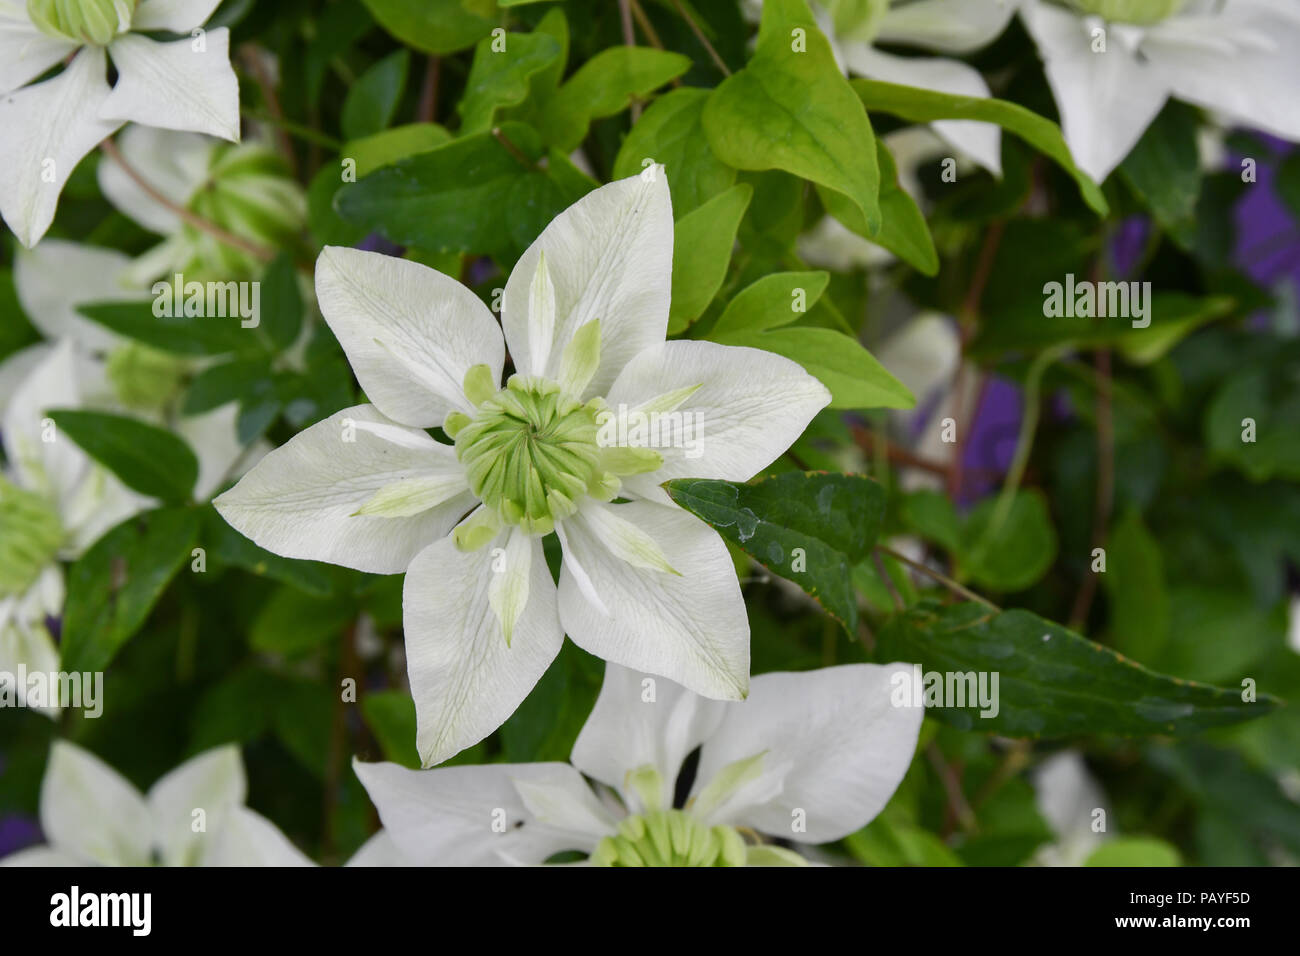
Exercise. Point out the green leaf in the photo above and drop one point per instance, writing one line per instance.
(152, 461)
(113, 586)
(390, 714)
(183, 335)
(1135, 851)
(770, 302)
(225, 545)
(546, 724)
(387, 147)
(671, 132)
(281, 302)
(1134, 582)
(883, 842)
(604, 86)
(228, 382)
(853, 375)
(702, 243)
(1051, 681)
(808, 527)
(435, 26)
(925, 106)
(372, 99)
(1254, 418)
(291, 622)
(501, 78)
(1164, 167)
(794, 110)
(931, 515)
(1014, 554)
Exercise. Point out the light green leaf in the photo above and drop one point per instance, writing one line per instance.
(1016, 553)
(387, 147)
(702, 244)
(1135, 851)
(372, 99)
(500, 78)
(435, 26)
(770, 302)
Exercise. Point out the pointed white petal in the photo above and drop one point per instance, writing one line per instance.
(750, 407)
(173, 163)
(726, 796)
(465, 678)
(212, 782)
(48, 127)
(567, 804)
(40, 456)
(541, 316)
(379, 850)
(466, 816)
(844, 745)
(609, 256)
(1066, 795)
(247, 838)
(641, 720)
(690, 627)
(512, 572)
(951, 26)
(26, 52)
(411, 333)
(89, 810)
(175, 86)
(1106, 100)
(624, 539)
(56, 276)
(174, 16)
(25, 640)
(301, 500)
(214, 437)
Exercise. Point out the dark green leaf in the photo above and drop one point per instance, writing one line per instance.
(152, 461)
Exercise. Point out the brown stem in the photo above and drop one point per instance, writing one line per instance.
(512, 149)
(1105, 496)
(704, 41)
(428, 106)
(253, 63)
(939, 576)
(110, 150)
(629, 39)
(958, 808)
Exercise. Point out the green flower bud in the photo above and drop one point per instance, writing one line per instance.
(82, 21)
(144, 377)
(30, 536)
(1130, 11)
(670, 838)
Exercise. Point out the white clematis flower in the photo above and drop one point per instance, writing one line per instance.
(1112, 64)
(808, 758)
(47, 127)
(1068, 797)
(856, 27)
(585, 313)
(55, 501)
(92, 815)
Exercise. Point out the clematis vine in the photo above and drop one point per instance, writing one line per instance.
(585, 312)
(193, 816)
(1112, 65)
(809, 758)
(47, 127)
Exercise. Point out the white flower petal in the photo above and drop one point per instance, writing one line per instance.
(56, 467)
(465, 678)
(247, 838)
(48, 127)
(301, 500)
(952, 26)
(89, 810)
(567, 804)
(173, 163)
(640, 720)
(175, 86)
(56, 276)
(174, 16)
(1066, 795)
(26, 641)
(466, 816)
(379, 850)
(609, 257)
(510, 584)
(690, 627)
(1106, 100)
(751, 406)
(26, 52)
(844, 745)
(212, 782)
(214, 437)
(410, 332)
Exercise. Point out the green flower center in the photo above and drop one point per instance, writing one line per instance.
(82, 21)
(670, 838)
(30, 536)
(1130, 11)
(144, 377)
(531, 452)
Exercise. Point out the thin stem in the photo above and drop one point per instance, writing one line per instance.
(428, 107)
(889, 582)
(254, 65)
(110, 150)
(305, 133)
(704, 41)
(512, 149)
(646, 26)
(1105, 486)
(957, 806)
(629, 39)
(942, 578)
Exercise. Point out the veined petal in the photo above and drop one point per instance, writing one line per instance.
(174, 16)
(541, 316)
(89, 810)
(465, 816)
(40, 456)
(750, 781)
(174, 163)
(26, 52)
(690, 627)
(175, 86)
(509, 586)
(213, 782)
(247, 838)
(56, 276)
(1106, 100)
(48, 128)
(302, 499)
(952, 26)
(641, 720)
(624, 539)
(565, 803)
(844, 744)
(982, 142)
(410, 332)
(379, 850)
(609, 257)
(465, 678)
(750, 407)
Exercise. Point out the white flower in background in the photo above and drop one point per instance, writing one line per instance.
(1068, 797)
(55, 501)
(856, 28)
(585, 312)
(1112, 64)
(244, 189)
(92, 815)
(47, 127)
(809, 758)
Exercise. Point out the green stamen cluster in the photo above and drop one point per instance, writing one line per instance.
(1130, 11)
(144, 377)
(82, 21)
(670, 838)
(531, 452)
(30, 536)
